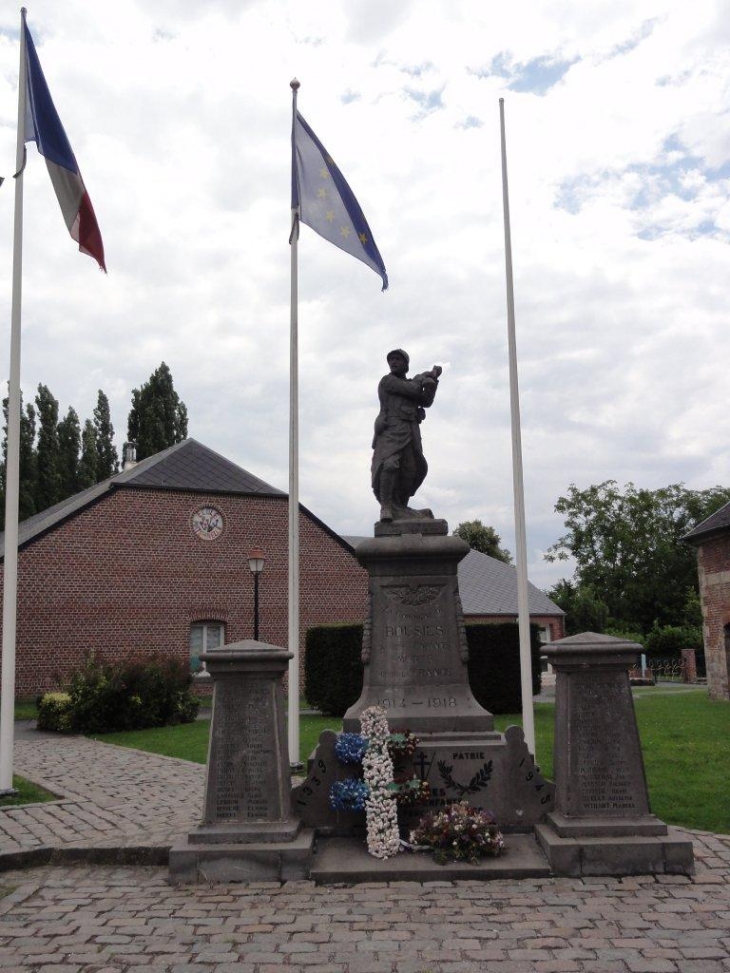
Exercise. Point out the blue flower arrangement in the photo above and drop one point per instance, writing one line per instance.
(349, 794)
(350, 748)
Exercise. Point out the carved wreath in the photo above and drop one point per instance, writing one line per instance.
(407, 595)
(478, 782)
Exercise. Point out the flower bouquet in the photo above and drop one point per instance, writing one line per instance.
(459, 832)
(349, 794)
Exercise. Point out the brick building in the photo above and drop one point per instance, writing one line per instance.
(155, 559)
(712, 540)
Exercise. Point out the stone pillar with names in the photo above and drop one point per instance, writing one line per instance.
(248, 831)
(602, 823)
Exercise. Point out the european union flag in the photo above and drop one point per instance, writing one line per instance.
(326, 202)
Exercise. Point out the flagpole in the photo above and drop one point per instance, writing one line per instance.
(294, 472)
(12, 469)
(523, 610)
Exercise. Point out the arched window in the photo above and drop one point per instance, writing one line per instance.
(204, 636)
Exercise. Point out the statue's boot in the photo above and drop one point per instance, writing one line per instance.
(387, 488)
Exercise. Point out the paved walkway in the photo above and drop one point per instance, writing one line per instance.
(130, 804)
(109, 919)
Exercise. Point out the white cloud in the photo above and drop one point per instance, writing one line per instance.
(180, 117)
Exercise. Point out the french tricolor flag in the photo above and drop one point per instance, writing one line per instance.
(43, 126)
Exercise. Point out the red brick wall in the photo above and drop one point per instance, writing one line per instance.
(128, 575)
(713, 561)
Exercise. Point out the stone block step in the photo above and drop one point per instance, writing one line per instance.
(346, 860)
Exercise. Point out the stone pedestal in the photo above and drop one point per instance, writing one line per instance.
(248, 832)
(414, 643)
(415, 659)
(602, 823)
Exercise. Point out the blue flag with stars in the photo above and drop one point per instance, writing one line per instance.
(325, 201)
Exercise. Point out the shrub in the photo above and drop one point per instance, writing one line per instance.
(668, 641)
(54, 712)
(333, 669)
(131, 695)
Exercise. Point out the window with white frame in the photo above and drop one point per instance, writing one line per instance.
(204, 636)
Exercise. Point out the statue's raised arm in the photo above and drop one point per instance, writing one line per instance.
(399, 466)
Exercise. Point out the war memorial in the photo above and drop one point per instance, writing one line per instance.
(426, 730)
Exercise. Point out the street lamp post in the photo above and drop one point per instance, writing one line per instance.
(256, 560)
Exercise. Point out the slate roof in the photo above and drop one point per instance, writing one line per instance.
(187, 466)
(717, 523)
(489, 587)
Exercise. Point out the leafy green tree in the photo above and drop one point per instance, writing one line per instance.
(483, 538)
(627, 547)
(585, 611)
(107, 458)
(28, 473)
(88, 464)
(158, 417)
(50, 477)
(69, 447)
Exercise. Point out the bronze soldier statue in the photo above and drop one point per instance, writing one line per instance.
(399, 466)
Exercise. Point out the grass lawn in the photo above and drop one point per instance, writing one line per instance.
(25, 709)
(685, 737)
(27, 794)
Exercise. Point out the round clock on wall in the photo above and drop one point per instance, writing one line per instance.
(207, 523)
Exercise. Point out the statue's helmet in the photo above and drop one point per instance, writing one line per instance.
(398, 351)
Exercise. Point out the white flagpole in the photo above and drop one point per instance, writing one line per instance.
(523, 608)
(12, 470)
(294, 476)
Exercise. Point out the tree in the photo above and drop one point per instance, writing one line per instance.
(627, 547)
(88, 464)
(482, 538)
(158, 417)
(28, 473)
(69, 447)
(50, 479)
(107, 458)
(584, 610)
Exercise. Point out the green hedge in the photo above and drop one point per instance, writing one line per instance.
(130, 695)
(333, 668)
(668, 641)
(334, 672)
(494, 665)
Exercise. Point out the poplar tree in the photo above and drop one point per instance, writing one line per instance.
(88, 464)
(107, 458)
(50, 480)
(27, 486)
(69, 447)
(158, 417)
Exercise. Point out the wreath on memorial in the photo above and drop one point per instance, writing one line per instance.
(459, 833)
(378, 789)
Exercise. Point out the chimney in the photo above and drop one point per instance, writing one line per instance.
(129, 456)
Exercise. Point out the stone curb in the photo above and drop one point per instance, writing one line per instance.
(109, 855)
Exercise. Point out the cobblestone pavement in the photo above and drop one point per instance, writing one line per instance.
(108, 919)
(110, 797)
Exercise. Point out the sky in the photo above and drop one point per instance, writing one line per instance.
(618, 144)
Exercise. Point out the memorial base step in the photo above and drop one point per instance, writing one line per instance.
(616, 855)
(346, 861)
(267, 861)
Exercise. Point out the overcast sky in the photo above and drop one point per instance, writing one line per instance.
(179, 113)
